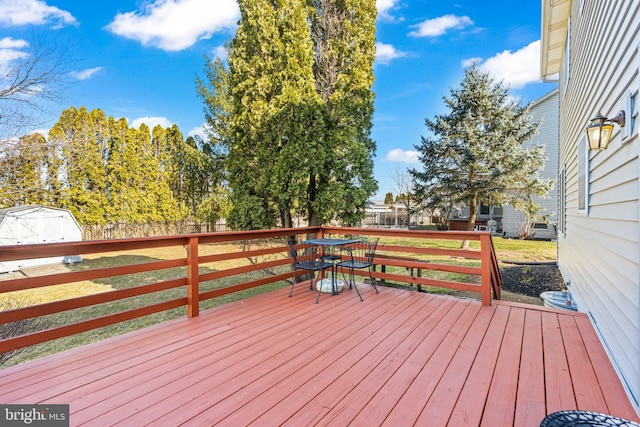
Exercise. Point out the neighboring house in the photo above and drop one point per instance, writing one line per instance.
(591, 46)
(546, 110)
(37, 224)
(508, 219)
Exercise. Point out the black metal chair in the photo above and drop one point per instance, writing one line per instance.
(357, 256)
(307, 257)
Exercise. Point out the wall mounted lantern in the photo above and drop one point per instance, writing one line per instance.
(600, 130)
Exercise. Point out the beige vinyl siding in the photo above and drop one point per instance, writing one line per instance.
(600, 251)
(545, 109)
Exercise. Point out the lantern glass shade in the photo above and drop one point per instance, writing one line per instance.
(599, 135)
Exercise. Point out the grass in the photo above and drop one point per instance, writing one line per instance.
(505, 248)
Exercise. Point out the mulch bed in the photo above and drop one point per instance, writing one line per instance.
(531, 280)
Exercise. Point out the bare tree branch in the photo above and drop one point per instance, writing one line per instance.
(32, 76)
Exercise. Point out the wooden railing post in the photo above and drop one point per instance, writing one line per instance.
(193, 278)
(485, 259)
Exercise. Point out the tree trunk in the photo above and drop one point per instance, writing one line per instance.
(285, 217)
(471, 224)
(314, 219)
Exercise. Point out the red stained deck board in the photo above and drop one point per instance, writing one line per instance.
(603, 369)
(386, 398)
(220, 399)
(220, 364)
(558, 385)
(530, 399)
(443, 399)
(348, 359)
(411, 404)
(398, 357)
(585, 382)
(501, 401)
(345, 408)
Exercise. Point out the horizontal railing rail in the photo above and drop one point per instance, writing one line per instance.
(240, 255)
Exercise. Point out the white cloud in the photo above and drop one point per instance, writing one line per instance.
(470, 61)
(384, 8)
(85, 74)
(10, 43)
(15, 13)
(438, 26)
(176, 24)
(221, 52)
(10, 52)
(385, 53)
(198, 131)
(400, 155)
(515, 69)
(151, 122)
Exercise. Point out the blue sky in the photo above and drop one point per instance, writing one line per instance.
(138, 59)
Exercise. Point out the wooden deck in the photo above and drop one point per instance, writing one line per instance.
(399, 358)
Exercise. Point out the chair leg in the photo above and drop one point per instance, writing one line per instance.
(353, 279)
(345, 277)
(293, 283)
(373, 281)
(319, 288)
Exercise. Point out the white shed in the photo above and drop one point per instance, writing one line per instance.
(36, 224)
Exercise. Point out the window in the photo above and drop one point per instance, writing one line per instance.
(632, 115)
(562, 207)
(583, 176)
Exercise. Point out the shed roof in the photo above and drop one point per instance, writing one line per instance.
(17, 210)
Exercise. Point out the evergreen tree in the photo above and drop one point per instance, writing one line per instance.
(291, 116)
(343, 34)
(157, 202)
(275, 120)
(83, 192)
(476, 154)
(122, 166)
(388, 198)
(23, 172)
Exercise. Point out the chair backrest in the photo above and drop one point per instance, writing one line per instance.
(371, 249)
(301, 252)
(363, 252)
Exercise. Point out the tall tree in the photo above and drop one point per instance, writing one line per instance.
(404, 188)
(343, 34)
(24, 172)
(80, 135)
(476, 154)
(275, 119)
(292, 114)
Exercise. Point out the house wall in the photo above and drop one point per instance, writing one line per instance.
(599, 252)
(545, 109)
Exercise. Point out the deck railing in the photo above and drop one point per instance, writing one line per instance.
(202, 274)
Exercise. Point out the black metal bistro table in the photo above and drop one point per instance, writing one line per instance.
(333, 243)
